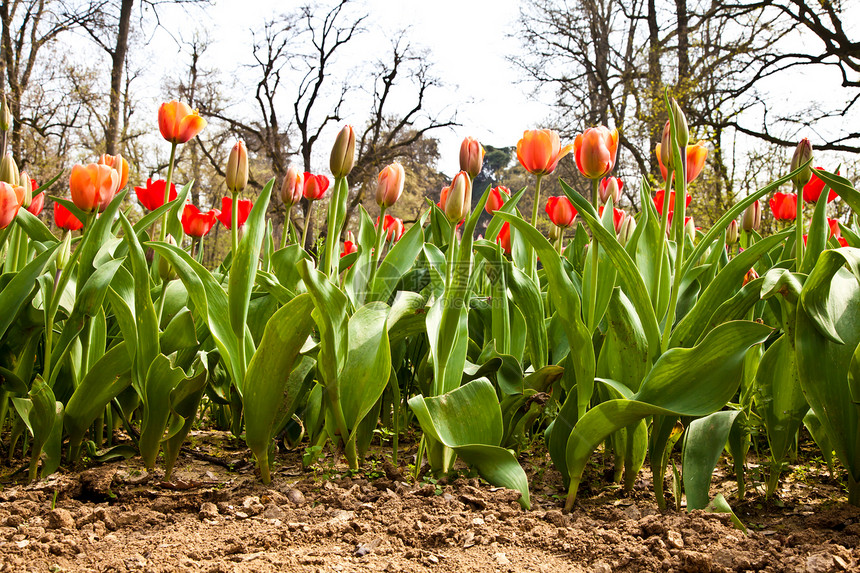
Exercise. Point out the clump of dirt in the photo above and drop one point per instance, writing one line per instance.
(117, 517)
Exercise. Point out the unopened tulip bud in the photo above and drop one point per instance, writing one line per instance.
(390, 185)
(666, 146)
(802, 154)
(498, 196)
(28, 189)
(237, 168)
(750, 276)
(165, 269)
(732, 233)
(458, 200)
(626, 232)
(690, 228)
(682, 132)
(343, 152)
(65, 254)
(553, 232)
(610, 187)
(291, 188)
(471, 157)
(752, 217)
(5, 115)
(9, 171)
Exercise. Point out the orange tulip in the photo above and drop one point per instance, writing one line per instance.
(471, 157)
(390, 185)
(595, 151)
(540, 150)
(696, 156)
(456, 199)
(178, 123)
(93, 186)
(116, 161)
(291, 188)
(9, 204)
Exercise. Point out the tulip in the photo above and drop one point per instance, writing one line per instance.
(237, 168)
(152, 195)
(595, 151)
(664, 150)
(682, 132)
(471, 157)
(457, 198)
(9, 204)
(696, 156)
(660, 196)
(343, 152)
(540, 150)
(690, 228)
(315, 186)
(9, 170)
(390, 185)
(610, 187)
(812, 190)
(732, 232)
(37, 204)
(784, 206)
(178, 123)
(843, 242)
(504, 238)
(165, 269)
(835, 231)
(119, 163)
(750, 276)
(560, 211)
(687, 221)
(5, 115)
(64, 219)
(226, 210)
(752, 216)
(195, 223)
(291, 188)
(618, 217)
(802, 154)
(348, 248)
(498, 196)
(93, 186)
(393, 228)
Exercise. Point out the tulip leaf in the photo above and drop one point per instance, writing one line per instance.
(97, 235)
(20, 287)
(39, 413)
(34, 227)
(269, 392)
(399, 259)
(526, 297)
(816, 293)
(684, 381)
(468, 420)
(184, 401)
(843, 187)
(705, 440)
(54, 444)
(624, 356)
(495, 224)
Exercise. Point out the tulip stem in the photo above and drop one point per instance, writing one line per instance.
(532, 257)
(307, 223)
(678, 224)
(234, 224)
(286, 232)
(167, 189)
(664, 224)
(592, 294)
(799, 226)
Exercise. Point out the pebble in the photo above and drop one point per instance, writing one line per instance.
(208, 510)
(675, 539)
(296, 497)
(501, 559)
(61, 519)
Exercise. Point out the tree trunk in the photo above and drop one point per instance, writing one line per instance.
(118, 61)
(683, 52)
(655, 84)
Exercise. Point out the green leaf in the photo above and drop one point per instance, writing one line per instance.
(527, 297)
(816, 293)
(95, 237)
(365, 373)
(469, 421)
(39, 413)
(843, 187)
(705, 441)
(34, 227)
(330, 316)
(624, 356)
(20, 287)
(399, 259)
(267, 393)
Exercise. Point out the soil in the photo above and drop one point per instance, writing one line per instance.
(118, 517)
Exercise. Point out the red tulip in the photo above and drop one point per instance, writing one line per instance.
(471, 156)
(195, 223)
(498, 196)
(617, 218)
(93, 186)
(392, 226)
(560, 211)
(152, 196)
(504, 238)
(315, 186)
(348, 248)
(10, 202)
(750, 276)
(540, 150)
(660, 196)
(835, 231)
(64, 219)
(812, 190)
(37, 204)
(610, 187)
(784, 206)
(178, 123)
(226, 213)
(595, 151)
(843, 241)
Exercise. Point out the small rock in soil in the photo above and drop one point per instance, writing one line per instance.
(208, 510)
(675, 540)
(295, 496)
(61, 519)
(820, 563)
(501, 559)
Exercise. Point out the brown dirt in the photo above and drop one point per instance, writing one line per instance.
(117, 517)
